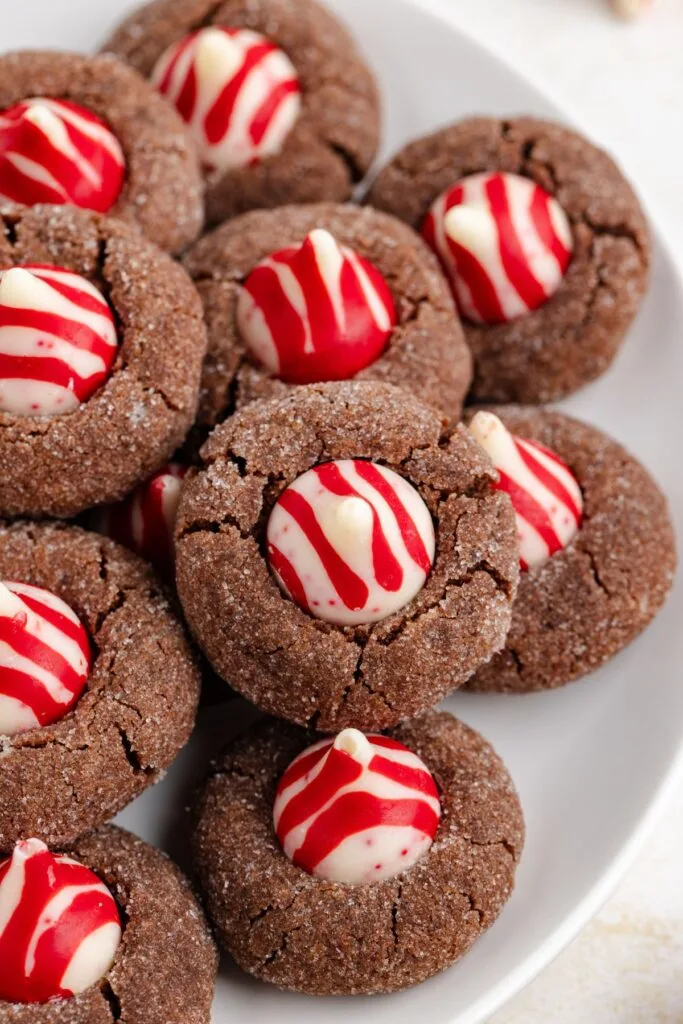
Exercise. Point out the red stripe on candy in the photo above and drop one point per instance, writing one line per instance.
(355, 812)
(409, 532)
(405, 775)
(303, 764)
(269, 108)
(530, 510)
(387, 568)
(340, 771)
(540, 215)
(219, 116)
(289, 576)
(165, 83)
(482, 291)
(25, 689)
(548, 479)
(351, 589)
(512, 255)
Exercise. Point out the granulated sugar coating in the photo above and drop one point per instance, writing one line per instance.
(139, 705)
(426, 354)
(165, 968)
(304, 669)
(574, 336)
(162, 190)
(334, 140)
(575, 611)
(300, 932)
(63, 464)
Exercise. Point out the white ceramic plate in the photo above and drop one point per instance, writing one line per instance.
(592, 761)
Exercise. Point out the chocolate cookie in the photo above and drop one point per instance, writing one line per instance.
(325, 938)
(139, 704)
(97, 449)
(325, 138)
(165, 967)
(579, 607)
(572, 336)
(144, 167)
(416, 637)
(426, 350)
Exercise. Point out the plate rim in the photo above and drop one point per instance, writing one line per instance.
(607, 881)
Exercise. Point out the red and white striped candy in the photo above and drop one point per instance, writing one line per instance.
(544, 492)
(144, 521)
(504, 243)
(45, 658)
(60, 927)
(54, 151)
(239, 94)
(350, 541)
(58, 340)
(317, 312)
(356, 809)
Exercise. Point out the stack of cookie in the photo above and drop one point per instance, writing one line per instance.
(274, 424)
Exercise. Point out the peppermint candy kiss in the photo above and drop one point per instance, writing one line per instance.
(53, 151)
(315, 313)
(58, 340)
(544, 492)
(350, 541)
(504, 243)
(238, 93)
(59, 926)
(44, 658)
(144, 521)
(356, 809)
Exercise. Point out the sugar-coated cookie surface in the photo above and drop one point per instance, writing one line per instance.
(331, 142)
(275, 653)
(311, 935)
(140, 700)
(585, 603)
(164, 971)
(572, 337)
(162, 172)
(62, 464)
(425, 353)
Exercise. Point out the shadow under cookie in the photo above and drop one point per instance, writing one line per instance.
(576, 610)
(325, 938)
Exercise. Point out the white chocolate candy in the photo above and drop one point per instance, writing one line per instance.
(54, 151)
(545, 494)
(356, 809)
(59, 926)
(504, 243)
(58, 340)
(350, 541)
(44, 658)
(315, 312)
(145, 519)
(238, 93)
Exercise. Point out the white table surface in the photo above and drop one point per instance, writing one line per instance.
(624, 82)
